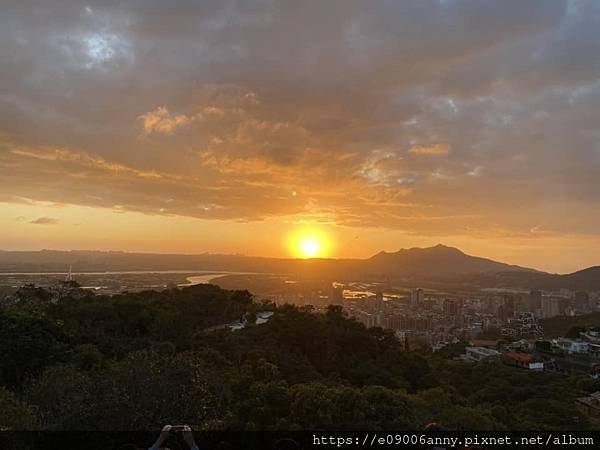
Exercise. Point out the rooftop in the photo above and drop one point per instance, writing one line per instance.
(483, 351)
(523, 357)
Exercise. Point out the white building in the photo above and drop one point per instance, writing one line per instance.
(592, 335)
(480, 353)
(571, 346)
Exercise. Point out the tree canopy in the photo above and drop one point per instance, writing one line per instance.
(139, 360)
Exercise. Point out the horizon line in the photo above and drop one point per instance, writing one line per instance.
(291, 258)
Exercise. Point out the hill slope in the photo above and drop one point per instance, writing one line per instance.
(583, 280)
(437, 264)
(437, 261)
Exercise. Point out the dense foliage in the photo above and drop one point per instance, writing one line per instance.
(570, 326)
(136, 361)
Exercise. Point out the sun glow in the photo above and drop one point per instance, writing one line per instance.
(309, 243)
(310, 247)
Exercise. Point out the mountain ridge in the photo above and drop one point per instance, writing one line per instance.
(440, 258)
(436, 265)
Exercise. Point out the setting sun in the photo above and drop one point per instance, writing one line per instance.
(310, 247)
(309, 243)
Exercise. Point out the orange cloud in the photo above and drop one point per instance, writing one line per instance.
(162, 121)
(44, 221)
(434, 150)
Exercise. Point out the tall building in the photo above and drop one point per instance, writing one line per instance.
(422, 323)
(336, 296)
(523, 304)
(379, 301)
(505, 308)
(535, 300)
(417, 297)
(582, 300)
(396, 322)
(508, 301)
(550, 306)
(450, 307)
(501, 313)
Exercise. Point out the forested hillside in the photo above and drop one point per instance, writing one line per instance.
(136, 361)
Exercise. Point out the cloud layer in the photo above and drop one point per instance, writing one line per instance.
(431, 117)
(44, 221)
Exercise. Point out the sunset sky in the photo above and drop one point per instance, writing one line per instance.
(228, 126)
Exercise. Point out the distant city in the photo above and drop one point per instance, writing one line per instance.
(225, 215)
(495, 321)
(480, 307)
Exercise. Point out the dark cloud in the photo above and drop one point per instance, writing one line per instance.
(431, 116)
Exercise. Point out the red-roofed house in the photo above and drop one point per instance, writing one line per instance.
(523, 360)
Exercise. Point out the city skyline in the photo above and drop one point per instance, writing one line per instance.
(229, 127)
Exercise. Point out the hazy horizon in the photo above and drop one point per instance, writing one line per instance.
(303, 129)
(243, 255)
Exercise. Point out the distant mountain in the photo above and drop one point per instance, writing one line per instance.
(435, 265)
(438, 261)
(432, 261)
(587, 279)
(584, 280)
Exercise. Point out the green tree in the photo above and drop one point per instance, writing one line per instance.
(29, 342)
(14, 414)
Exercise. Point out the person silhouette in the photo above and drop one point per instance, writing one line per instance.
(165, 433)
(286, 444)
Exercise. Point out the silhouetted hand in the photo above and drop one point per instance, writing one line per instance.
(188, 437)
(164, 434)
